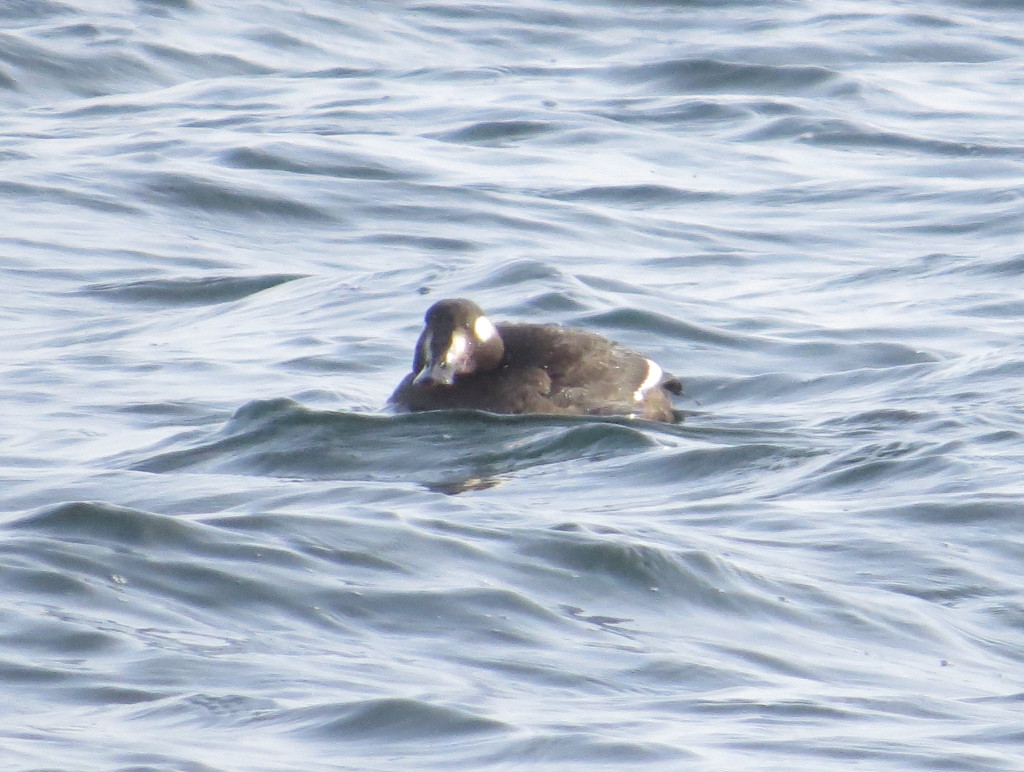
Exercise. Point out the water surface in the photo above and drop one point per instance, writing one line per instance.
(222, 224)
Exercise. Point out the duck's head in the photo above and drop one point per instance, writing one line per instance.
(458, 339)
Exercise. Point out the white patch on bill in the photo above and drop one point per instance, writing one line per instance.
(483, 328)
(458, 348)
(654, 374)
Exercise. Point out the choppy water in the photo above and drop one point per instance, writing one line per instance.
(221, 224)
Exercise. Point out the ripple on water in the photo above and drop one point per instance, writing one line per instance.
(221, 196)
(703, 75)
(319, 161)
(206, 290)
(283, 439)
(388, 720)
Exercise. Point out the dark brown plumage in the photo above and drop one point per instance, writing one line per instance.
(464, 361)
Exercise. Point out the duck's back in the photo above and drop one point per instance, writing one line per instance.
(587, 373)
(539, 368)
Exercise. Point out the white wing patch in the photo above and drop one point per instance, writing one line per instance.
(483, 328)
(654, 373)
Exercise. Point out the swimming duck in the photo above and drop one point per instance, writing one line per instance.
(463, 360)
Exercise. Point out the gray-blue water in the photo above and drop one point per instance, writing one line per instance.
(222, 221)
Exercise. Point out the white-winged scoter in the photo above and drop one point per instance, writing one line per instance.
(463, 360)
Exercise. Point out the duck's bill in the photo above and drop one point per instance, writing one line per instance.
(436, 374)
